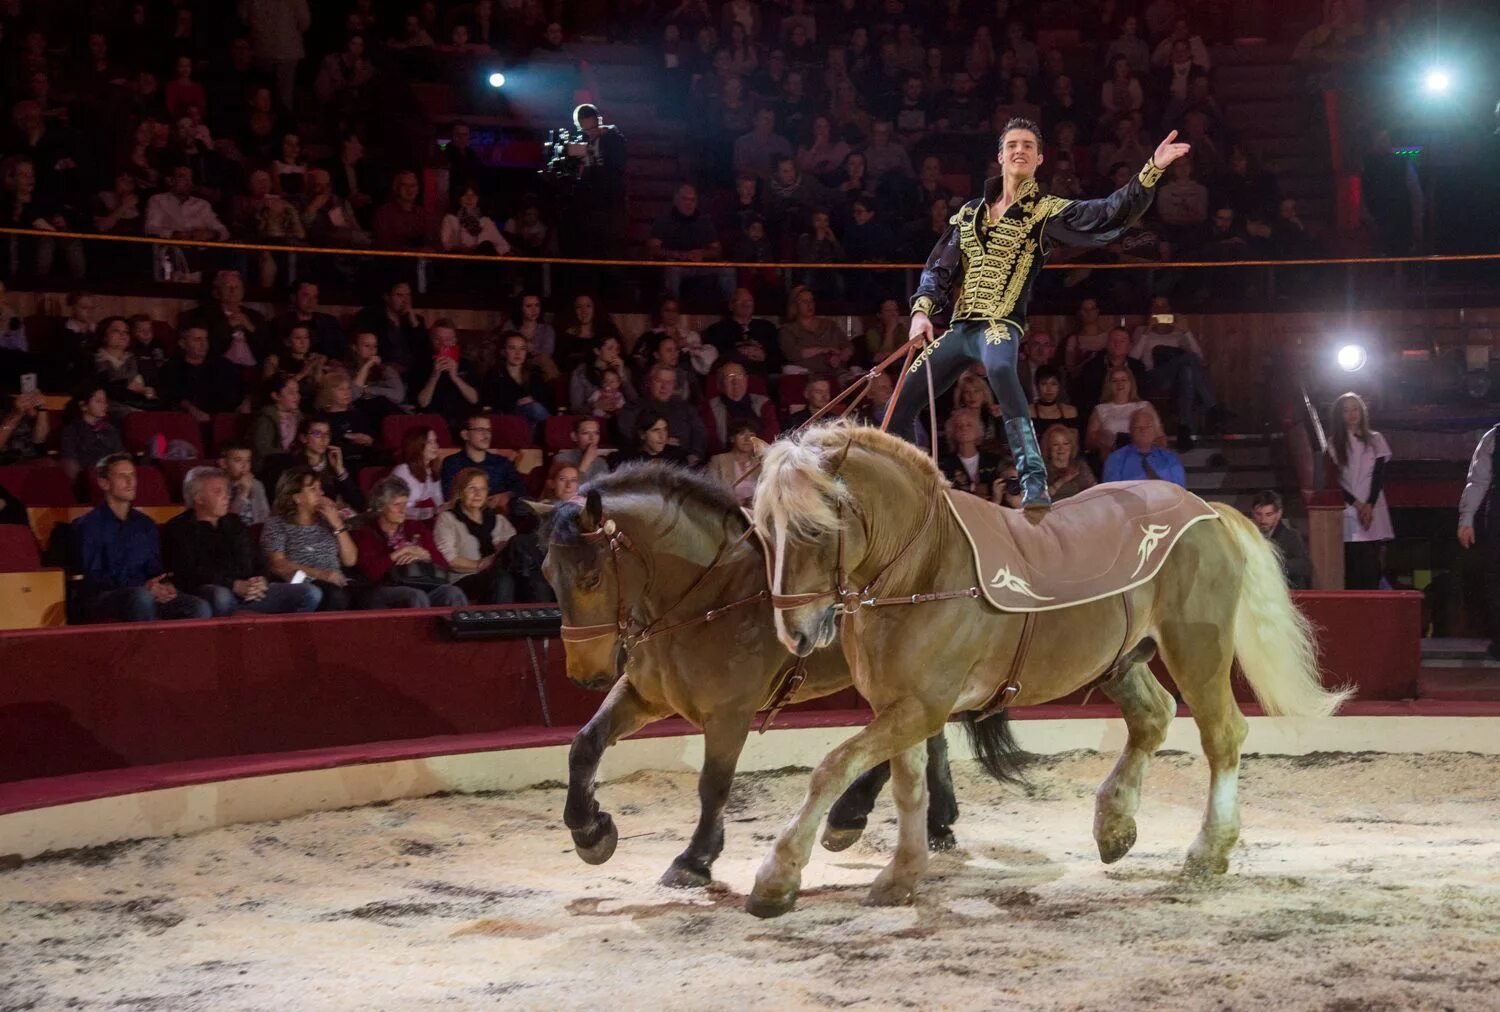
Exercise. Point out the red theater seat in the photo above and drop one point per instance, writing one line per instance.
(143, 426)
(510, 432)
(395, 427)
(557, 432)
(230, 427)
(18, 549)
(368, 476)
(38, 485)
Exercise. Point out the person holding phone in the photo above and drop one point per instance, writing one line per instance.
(24, 425)
(307, 535)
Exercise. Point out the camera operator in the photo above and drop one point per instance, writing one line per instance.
(594, 216)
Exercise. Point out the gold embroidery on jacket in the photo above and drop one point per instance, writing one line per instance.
(998, 263)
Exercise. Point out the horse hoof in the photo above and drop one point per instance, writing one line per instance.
(1205, 866)
(835, 839)
(1116, 844)
(941, 840)
(889, 896)
(686, 876)
(598, 846)
(769, 906)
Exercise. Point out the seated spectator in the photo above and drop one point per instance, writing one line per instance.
(353, 176)
(752, 342)
(1048, 405)
(817, 393)
(738, 458)
(344, 75)
(274, 429)
(1109, 425)
(1067, 472)
(400, 331)
(1289, 238)
(1131, 46)
(327, 218)
(505, 480)
(1226, 238)
(350, 428)
(377, 388)
(294, 356)
(588, 329)
(445, 384)
(149, 354)
(391, 543)
(819, 245)
(1089, 386)
(812, 343)
(699, 356)
(177, 214)
(1122, 93)
(90, 436)
(314, 449)
(518, 387)
(1296, 565)
(418, 471)
(648, 440)
(1182, 203)
(327, 335)
(247, 496)
(888, 332)
(1017, 102)
(474, 539)
(960, 111)
(402, 222)
(235, 331)
(734, 402)
(208, 550)
(584, 455)
(24, 427)
(306, 535)
(608, 400)
(664, 352)
(289, 170)
(686, 431)
(200, 384)
(1144, 456)
(1038, 351)
(867, 239)
(793, 198)
(824, 153)
(1088, 341)
(119, 552)
(967, 467)
(116, 369)
(854, 181)
(756, 152)
(973, 392)
(1174, 364)
(684, 233)
(541, 339)
(528, 232)
(919, 238)
(467, 229)
(263, 216)
(118, 210)
(1177, 67)
(588, 379)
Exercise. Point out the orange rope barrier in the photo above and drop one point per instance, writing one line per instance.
(1437, 258)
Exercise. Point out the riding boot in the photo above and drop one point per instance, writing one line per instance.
(1030, 468)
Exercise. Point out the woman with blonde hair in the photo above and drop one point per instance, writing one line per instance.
(1362, 456)
(967, 467)
(472, 537)
(973, 392)
(1109, 425)
(1067, 473)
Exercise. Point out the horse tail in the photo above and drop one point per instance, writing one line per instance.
(995, 747)
(1273, 641)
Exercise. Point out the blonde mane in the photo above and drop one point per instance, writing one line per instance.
(797, 488)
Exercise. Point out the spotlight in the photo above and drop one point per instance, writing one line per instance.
(1352, 357)
(1437, 80)
(497, 80)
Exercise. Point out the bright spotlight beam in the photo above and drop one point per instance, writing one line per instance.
(1437, 80)
(497, 80)
(1352, 358)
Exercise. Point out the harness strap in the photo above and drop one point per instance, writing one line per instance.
(788, 680)
(1012, 685)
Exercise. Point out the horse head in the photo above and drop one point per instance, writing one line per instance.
(584, 565)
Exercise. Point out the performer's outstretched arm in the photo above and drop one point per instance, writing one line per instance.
(1100, 222)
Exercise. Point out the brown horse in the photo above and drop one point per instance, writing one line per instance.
(687, 554)
(841, 505)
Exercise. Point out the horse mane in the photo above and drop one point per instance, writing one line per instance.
(796, 485)
(648, 477)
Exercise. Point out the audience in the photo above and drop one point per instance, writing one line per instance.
(1111, 423)
(650, 439)
(247, 494)
(90, 437)
(584, 455)
(738, 458)
(1144, 456)
(472, 537)
(418, 471)
(686, 432)
(967, 467)
(306, 539)
(505, 480)
(398, 557)
(1296, 565)
(1067, 472)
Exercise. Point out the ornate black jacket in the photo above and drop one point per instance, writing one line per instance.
(993, 265)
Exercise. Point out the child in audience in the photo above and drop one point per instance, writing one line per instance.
(607, 401)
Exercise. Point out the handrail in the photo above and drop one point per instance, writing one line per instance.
(293, 247)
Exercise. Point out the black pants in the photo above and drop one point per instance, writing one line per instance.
(996, 345)
(1362, 565)
(1489, 544)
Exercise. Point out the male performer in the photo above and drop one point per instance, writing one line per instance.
(1477, 502)
(991, 253)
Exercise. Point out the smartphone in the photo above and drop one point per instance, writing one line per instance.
(449, 352)
(1165, 319)
(28, 383)
(299, 577)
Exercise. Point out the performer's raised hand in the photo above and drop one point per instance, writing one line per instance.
(921, 327)
(1168, 151)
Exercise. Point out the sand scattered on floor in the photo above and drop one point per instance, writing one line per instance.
(1361, 882)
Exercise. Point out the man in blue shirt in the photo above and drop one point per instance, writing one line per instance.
(120, 553)
(1142, 457)
(505, 480)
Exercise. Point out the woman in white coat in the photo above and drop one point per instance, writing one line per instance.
(1362, 456)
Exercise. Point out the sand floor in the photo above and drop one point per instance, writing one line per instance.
(1361, 882)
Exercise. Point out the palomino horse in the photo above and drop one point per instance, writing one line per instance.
(655, 565)
(854, 520)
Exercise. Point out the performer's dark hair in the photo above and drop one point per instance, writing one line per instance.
(1017, 123)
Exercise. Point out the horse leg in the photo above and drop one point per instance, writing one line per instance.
(622, 713)
(1222, 729)
(894, 729)
(849, 815)
(897, 881)
(723, 739)
(1148, 710)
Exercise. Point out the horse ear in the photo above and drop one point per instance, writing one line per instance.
(541, 509)
(592, 513)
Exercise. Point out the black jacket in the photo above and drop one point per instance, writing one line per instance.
(199, 554)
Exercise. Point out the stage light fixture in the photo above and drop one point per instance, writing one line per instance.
(497, 80)
(1352, 357)
(1437, 80)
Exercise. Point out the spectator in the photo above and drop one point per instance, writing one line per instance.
(247, 496)
(1296, 566)
(919, 238)
(824, 153)
(401, 333)
(1048, 405)
(817, 393)
(959, 112)
(418, 471)
(377, 388)
(296, 358)
(1089, 388)
(1088, 341)
(177, 214)
(819, 245)
(234, 330)
(314, 449)
(965, 465)
(1174, 364)
(588, 329)
(685, 234)
(275, 427)
(90, 437)
(1121, 94)
(473, 538)
(349, 427)
(182, 92)
(1144, 456)
(541, 339)
(262, 216)
(912, 116)
(649, 439)
(752, 342)
(1018, 102)
(201, 385)
(973, 392)
(208, 549)
(587, 379)
(738, 459)
(402, 222)
(1110, 424)
(1182, 203)
(1289, 238)
(854, 181)
(445, 384)
(150, 356)
(1476, 498)
(700, 357)
(327, 218)
(1125, 147)
(735, 402)
(289, 170)
(518, 387)
(24, 427)
(888, 333)
(353, 178)
(505, 480)
(343, 76)
(117, 211)
(665, 353)
(813, 343)
(1067, 473)
(884, 154)
(276, 30)
(116, 369)
(120, 556)
(465, 167)
(584, 454)
(686, 431)
(467, 229)
(306, 535)
(1362, 456)
(1177, 70)
(756, 152)
(327, 336)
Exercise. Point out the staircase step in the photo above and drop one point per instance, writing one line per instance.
(1459, 679)
(1454, 648)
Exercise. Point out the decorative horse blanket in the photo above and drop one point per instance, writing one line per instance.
(1099, 543)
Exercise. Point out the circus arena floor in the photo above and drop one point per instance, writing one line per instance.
(1362, 881)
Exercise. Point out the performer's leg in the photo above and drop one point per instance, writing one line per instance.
(999, 357)
(954, 353)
